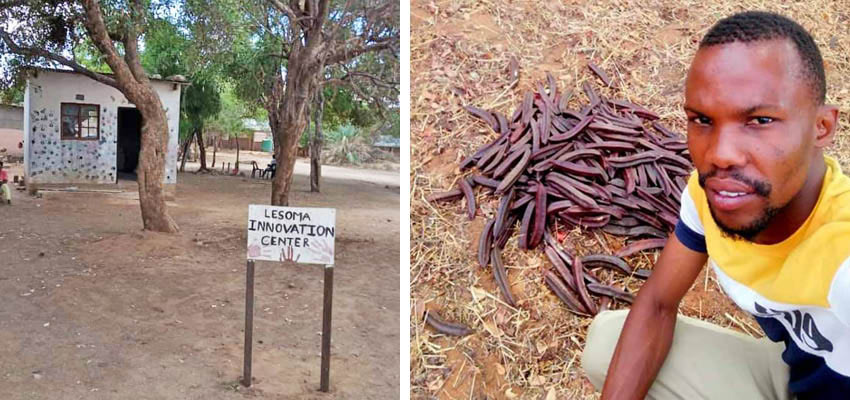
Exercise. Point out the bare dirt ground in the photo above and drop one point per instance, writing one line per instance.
(93, 308)
(386, 174)
(460, 52)
(302, 165)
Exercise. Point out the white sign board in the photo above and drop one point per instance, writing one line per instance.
(302, 235)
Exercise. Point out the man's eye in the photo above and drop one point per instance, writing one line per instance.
(701, 120)
(761, 120)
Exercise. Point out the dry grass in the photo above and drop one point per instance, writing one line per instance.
(459, 55)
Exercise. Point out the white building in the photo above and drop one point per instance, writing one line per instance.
(78, 130)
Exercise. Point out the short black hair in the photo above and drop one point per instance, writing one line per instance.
(751, 26)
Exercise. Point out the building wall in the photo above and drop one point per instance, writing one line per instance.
(11, 129)
(11, 117)
(259, 136)
(9, 139)
(49, 159)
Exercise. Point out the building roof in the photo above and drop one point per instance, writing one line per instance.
(254, 125)
(387, 141)
(179, 79)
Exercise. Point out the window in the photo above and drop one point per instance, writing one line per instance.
(80, 121)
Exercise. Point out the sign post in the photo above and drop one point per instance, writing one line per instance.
(301, 235)
(326, 328)
(249, 323)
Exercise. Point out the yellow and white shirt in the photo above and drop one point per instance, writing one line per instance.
(798, 289)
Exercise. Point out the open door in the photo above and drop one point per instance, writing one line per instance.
(129, 142)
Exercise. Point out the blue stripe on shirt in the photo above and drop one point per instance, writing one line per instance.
(689, 238)
(809, 376)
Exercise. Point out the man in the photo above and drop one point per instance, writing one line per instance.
(5, 192)
(771, 215)
(272, 167)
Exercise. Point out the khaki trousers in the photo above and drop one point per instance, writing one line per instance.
(705, 361)
(5, 193)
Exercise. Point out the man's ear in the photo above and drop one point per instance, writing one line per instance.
(826, 121)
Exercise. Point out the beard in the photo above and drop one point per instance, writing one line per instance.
(747, 232)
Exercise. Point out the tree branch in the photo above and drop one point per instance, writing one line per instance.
(340, 23)
(42, 53)
(12, 3)
(131, 43)
(345, 54)
(314, 37)
(374, 78)
(99, 36)
(293, 18)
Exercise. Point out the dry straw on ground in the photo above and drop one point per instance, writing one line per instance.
(460, 51)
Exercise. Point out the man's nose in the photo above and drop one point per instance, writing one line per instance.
(726, 148)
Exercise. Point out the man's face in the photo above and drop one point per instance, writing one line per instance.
(751, 130)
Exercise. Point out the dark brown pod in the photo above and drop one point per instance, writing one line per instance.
(448, 328)
(450, 195)
(539, 216)
(578, 278)
(525, 226)
(640, 245)
(605, 290)
(563, 292)
(600, 73)
(485, 243)
(466, 188)
(501, 276)
(503, 237)
(560, 266)
(485, 116)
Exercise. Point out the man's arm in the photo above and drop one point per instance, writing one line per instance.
(648, 330)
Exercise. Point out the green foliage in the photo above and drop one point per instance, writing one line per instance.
(252, 67)
(233, 111)
(341, 132)
(89, 56)
(13, 94)
(202, 100)
(343, 107)
(394, 124)
(166, 51)
(185, 130)
(169, 50)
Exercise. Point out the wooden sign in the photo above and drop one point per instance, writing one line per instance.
(299, 234)
(303, 235)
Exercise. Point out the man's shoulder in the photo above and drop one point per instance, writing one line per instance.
(836, 198)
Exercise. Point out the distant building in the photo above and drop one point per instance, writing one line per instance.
(260, 130)
(252, 141)
(77, 130)
(11, 129)
(388, 143)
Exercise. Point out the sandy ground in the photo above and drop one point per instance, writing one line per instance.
(93, 308)
(383, 171)
(302, 167)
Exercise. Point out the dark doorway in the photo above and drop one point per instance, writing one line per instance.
(129, 141)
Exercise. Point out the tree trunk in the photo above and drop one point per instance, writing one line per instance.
(203, 150)
(215, 148)
(290, 116)
(236, 170)
(151, 171)
(194, 150)
(316, 145)
(186, 145)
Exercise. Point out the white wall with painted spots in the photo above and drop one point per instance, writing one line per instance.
(50, 159)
